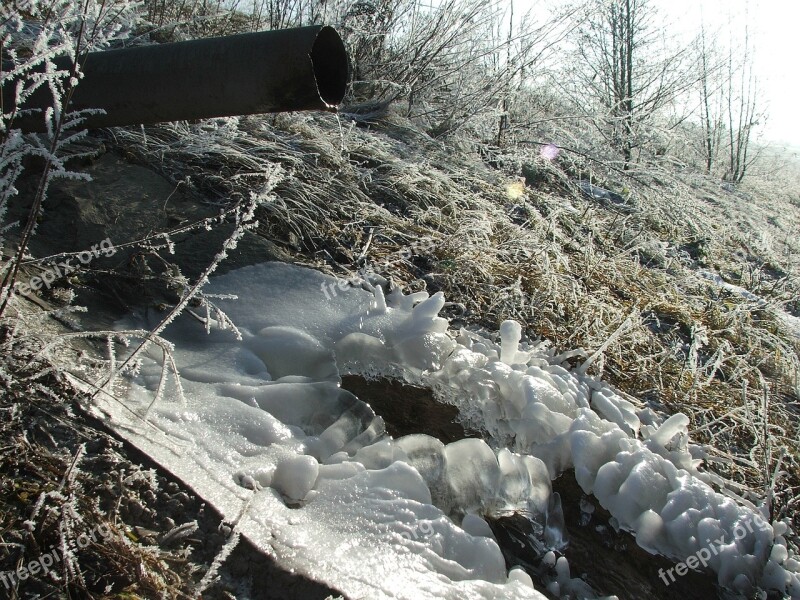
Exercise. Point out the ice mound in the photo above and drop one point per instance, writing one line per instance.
(295, 476)
(266, 433)
(469, 478)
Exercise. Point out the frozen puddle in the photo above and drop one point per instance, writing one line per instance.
(308, 474)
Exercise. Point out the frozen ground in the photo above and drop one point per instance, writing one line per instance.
(307, 473)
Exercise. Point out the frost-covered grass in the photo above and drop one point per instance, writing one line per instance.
(685, 298)
(631, 296)
(365, 195)
(64, 479)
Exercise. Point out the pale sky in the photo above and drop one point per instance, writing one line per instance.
(776, 38)
(774, 29)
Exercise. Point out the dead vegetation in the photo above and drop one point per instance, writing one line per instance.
(65, 480)
(413, 191)
(384, 196)
(516, 238)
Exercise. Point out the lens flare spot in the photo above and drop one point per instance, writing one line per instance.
(515, 190)
(549, 151)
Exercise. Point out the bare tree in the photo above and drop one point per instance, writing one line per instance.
(710, 100)
(506, 101)
(449, 61)
(741, 99)
(729, 106)
(627, 67)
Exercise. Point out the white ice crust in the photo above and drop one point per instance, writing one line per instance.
(307, 473)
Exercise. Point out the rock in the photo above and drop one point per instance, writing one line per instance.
(125, 203)
(605, 197)
(408, 409)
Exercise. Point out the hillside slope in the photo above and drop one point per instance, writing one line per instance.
(676, 290)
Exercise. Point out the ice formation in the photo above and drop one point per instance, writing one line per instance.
(310, 476)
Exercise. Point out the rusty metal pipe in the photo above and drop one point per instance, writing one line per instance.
(305, 68)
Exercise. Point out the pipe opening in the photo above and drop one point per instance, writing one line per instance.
(329, 61)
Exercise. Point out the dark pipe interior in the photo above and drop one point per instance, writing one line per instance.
(329, 60)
